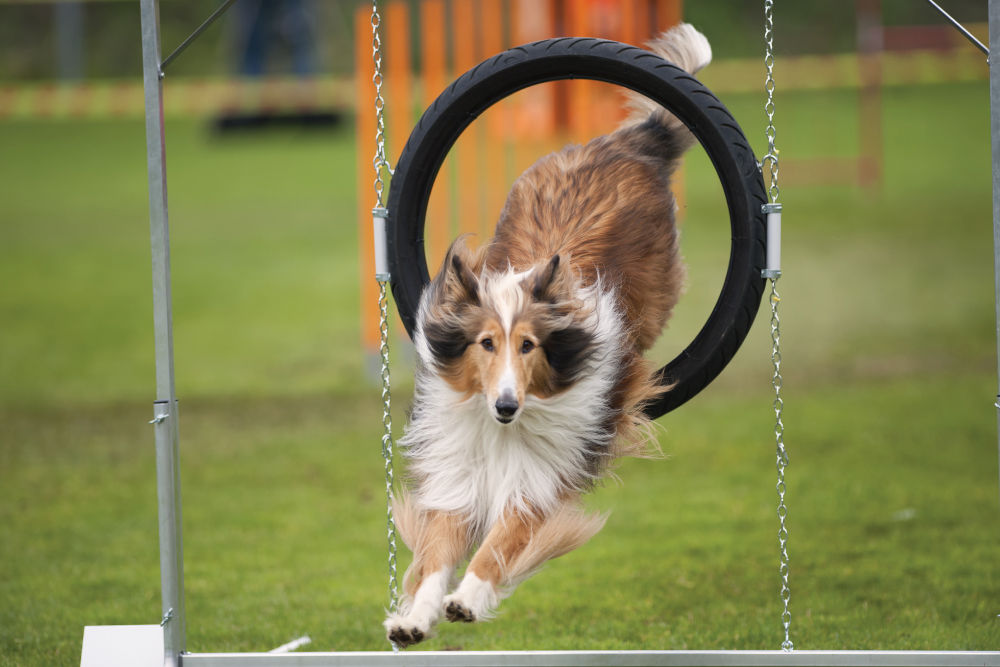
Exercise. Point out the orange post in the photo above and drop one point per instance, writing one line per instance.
(398, 83)
(399, 79)
(495, 182)
(612, 101)
(628, 32)
(437, 230)
(432, 48)
(533, 109)
(668, 13)
(465, 55)
(582, 91)
(364, 69)
(644, 18)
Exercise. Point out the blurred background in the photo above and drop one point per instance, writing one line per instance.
(887, 311)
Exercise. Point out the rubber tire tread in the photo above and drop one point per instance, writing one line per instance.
(613, 62)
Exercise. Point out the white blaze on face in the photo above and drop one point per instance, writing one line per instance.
(508, 378)
(507, 388)
(505, 393)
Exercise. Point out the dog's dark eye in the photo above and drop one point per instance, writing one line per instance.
(487, 344)
(527, 346)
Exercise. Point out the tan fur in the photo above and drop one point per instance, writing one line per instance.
(562, 531)
(505, 541)
(438, 540)
(609, 212)
(520, 544)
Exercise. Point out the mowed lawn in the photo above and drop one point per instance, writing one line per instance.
(888, 358)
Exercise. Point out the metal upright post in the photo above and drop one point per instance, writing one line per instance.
(994, 64)
(165, 408)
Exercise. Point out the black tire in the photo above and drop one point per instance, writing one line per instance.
(602, 60)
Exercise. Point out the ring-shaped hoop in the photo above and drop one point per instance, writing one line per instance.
(648, 74)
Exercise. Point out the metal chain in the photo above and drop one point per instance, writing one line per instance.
(379, 162)
(387, 445)
(770, 162)
(781, 461)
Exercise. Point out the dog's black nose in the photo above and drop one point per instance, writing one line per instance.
(506, 406)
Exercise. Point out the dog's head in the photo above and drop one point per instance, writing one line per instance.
(506, 335)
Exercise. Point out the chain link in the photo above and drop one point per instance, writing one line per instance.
(379, 162)
(387, 444)
(781, 461)
(770, 162)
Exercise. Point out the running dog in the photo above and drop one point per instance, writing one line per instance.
(531, 378)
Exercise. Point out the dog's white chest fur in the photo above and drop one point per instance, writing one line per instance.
(470, 464)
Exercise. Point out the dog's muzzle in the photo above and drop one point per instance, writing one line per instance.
(506, 408)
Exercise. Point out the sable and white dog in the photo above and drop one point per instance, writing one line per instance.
(531, 378)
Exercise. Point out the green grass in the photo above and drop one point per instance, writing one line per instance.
(888, 359)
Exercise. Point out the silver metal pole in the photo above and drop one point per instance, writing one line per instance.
(797, 658)
(165, 408)
(994, 62)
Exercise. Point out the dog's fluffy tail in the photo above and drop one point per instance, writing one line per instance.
(687, 48)
(684, 46)
(563, 531)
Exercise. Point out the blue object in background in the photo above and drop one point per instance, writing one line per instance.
(264, 23)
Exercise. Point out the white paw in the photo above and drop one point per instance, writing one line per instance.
(407, 630)
(456, 612)
(473, 600)
(420, 613)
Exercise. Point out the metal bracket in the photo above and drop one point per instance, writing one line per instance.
(380, 215)
(161, 414)
(772, 269)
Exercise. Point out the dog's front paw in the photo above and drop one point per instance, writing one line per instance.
(456, 612)
(405, 631)
(474, 600)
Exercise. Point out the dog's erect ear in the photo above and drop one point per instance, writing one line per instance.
(456, 281)
(466, 280)
(548, 282)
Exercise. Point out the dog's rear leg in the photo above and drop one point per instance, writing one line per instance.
(439, 541)
(514, 549)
